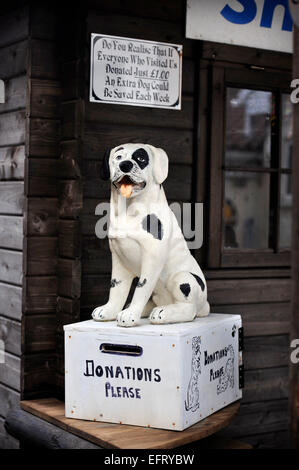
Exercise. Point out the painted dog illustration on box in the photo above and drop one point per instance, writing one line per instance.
(228, 376)
(192, 400)
(146, 242)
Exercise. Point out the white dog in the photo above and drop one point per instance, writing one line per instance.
(146, 241)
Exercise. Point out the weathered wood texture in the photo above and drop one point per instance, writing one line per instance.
(40, 284)
(295, 259)
(14, 30)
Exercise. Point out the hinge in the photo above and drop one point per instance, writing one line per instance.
(241, 376)
(241, 338)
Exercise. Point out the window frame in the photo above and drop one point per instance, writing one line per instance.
(229, 74)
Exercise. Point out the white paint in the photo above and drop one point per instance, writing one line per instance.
(2, 92)
(167, 352)
(205, 21)
(135, 72)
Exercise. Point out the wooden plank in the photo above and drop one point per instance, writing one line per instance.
(71, 200)
(13, 60)
(44, 21)
(42, 174)
(178, 185)
(11, 197)
(12, 160)
(43, 56)
(35, 433)
(7, 441)
(68, 311)
(11, 267)
(40, 332)
(8, 399)
(261, 319)
(266, 384)
(41, 256)
(11, 232)
(11, 301)
(69, 272)
(98, 137)
(94, 291)
(96, 256)
(135, 115)
(243, 291)
(259, 417)
(42, 216)
(69, 167)
(246, 55)
(266, 351)
(12, 128)
(14, 26)
(39, 373)
(41, 294)
(10, 371)
(69, 238)
(44, 135)
(15, 94)
(45, 98)
(71, 119)
(167, 10)
(10, 333)
(128, 437)
(274, 440)
(247, 273)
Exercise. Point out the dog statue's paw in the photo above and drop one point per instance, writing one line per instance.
(104, 313)
(158, 315)
(128, 317)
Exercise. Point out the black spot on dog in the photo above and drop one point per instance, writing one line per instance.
(185, 288)
(105, 170)
(153, 225)
(199, 280)
(114, 283)
(141, 284)
(140, 156)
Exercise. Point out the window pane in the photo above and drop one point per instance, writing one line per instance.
(246, 210)
(285, 225)
(286, 131)
(248, 127)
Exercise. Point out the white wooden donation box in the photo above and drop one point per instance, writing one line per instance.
(160, 376)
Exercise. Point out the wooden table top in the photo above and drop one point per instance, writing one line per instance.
(121, 436)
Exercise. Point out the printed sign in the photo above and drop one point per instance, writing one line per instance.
(135, 72)
(265, 24)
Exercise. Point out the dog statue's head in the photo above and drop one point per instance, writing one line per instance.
(133, 167)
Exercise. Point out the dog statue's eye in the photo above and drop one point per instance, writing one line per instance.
(141, 159)
(118, 157)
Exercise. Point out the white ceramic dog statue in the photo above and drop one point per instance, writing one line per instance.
(146, 242)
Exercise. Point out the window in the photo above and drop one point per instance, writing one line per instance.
(251, 164)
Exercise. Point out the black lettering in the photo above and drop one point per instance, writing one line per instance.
(87, 373)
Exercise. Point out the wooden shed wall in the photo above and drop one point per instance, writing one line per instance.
(261, 296)
(14, 30)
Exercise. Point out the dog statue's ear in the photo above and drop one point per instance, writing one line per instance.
(160, 167)
(105, 170)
